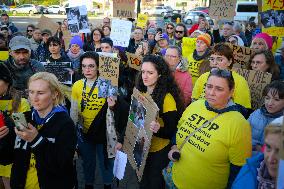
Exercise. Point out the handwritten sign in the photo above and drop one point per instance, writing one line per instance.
(241, 54)
(109, 69)
(62, 70)
(137, 140)
(124, 8)
(257, 80)
(142, 20)
(272, 17)
(120, 32)
(134, 61)
(46, 23)
(222, 9)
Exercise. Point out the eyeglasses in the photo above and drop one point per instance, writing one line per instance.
(91, 66)
(179, 31)
(217, 59)
(170, 28)
(221, 73)
(30, 30)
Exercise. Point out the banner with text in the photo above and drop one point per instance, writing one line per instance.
(124, 8)
(222, 9)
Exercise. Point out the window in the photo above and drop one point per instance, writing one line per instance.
(247, 8)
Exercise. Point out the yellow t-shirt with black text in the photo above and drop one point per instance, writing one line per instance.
(32, 179)
(193, 67)
(241, 93)
(158, 143)
(93, 105)
(206, 157)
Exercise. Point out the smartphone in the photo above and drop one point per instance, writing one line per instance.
(20, 120)
(2, 121)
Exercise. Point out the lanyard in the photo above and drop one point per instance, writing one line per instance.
(83, 102)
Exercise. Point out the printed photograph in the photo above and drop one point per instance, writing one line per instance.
(137, 113)
(140, 148)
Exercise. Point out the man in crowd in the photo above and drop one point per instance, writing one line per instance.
(5, 21)
(42, 52)
(136, 40)
(180, 32)
(20, 64)
(36, 39)
(227, 32)
(106, 21)
(195, 26)
(30, 31)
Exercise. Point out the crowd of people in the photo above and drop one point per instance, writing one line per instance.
(206, 131)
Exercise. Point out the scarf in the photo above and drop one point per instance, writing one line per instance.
(267, 114)
(74, 56)
(197, 57)
(264, 179)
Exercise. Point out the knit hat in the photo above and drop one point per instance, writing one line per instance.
(76, 40)
(267, 38)
(152, 31)
(206, 38)
(5, 74)
(165, 36)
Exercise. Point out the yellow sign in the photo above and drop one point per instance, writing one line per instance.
(142, 20)
(188, 46)
(272, 17)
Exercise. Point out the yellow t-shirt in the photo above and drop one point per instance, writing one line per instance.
(241, 93)
(193, 67)
(4, 55)
(158, 143)
(5, 171)
(93, 105)
(206, 157)
(32, 179)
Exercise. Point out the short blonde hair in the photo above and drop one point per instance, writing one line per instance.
(54, 85)
(273, 128)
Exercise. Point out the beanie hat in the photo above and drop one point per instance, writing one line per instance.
(76, 40)
(165, 36)
(267, 38)
(152, 31)
(5, 74)
(206, 38)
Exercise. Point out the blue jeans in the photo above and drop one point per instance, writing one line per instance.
(88, 153)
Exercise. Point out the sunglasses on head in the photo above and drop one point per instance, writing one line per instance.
(229, 23)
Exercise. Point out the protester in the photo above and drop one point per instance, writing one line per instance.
(156, 79)
(236, 40)
(30, 30)
(143, 49)
(88, 112)
(106, 30)
(183, 79)
(227, 31)
(273, 108)
(170, 28)
(54, 46)
(220, 148)
(5, 31)
(264, 61)
(5, 20)
(151, 33)
(250, 32)
(10, 102)
(204, 26)
(261, 41)
(200, 54)
(195, 26)
(107, 45)
(44, 150)
(279, 60)
(20, 64)
(238, 31)
(36, 39)
(95, 43)
(260, 171)
(42, 52)
(222, 58)
(135, 41)
(162, 44)
(106, 21)
(180, 32)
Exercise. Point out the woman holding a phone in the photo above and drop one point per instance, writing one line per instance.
(10, 102)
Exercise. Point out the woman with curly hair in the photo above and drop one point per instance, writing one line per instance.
(155, 78)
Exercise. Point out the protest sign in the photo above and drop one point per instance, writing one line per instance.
(138, 136)
(257, 80)
(106, 89)
(280, 180)
(142, 20)
(109, 69)
(134, 61)
(272, 17)
(222, 9)
(62, 70)
(77, 19)
(123, 8)
(241, 54)
(46, 23)
(188, 46)
(120, 32)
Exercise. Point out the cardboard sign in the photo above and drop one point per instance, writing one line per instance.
(134, 61)
(46, 23)
(257, 80)
(77, 18)
(222, 9)
(123, 8)
(142, 20)
(67, 38)
(137, 140)
(272, 17)
(109, 69)
(120, 32)
(241, 54)
(188, 46)
(62, 70)
(280, 180)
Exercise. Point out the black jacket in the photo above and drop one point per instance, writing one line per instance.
(54, 149)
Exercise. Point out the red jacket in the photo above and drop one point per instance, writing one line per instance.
(184, 82)
(193, 28)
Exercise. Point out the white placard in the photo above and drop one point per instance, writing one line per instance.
(120, 32)
(119, 165)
